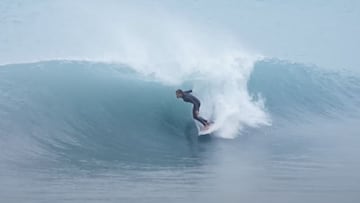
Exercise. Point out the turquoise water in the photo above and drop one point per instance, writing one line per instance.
(80, 131)
(88, 111)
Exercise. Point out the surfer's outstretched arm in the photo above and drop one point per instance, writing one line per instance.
(188, 91)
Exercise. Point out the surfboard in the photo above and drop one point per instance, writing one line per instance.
(208, 130)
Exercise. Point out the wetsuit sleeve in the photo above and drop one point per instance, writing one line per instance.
(188, 91)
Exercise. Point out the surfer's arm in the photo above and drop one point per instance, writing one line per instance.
(188, 91)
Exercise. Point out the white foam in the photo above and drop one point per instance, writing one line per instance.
(149, 39)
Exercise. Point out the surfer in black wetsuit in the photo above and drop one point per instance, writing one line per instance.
(187, 97)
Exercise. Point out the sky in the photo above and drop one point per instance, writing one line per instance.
(319, 32)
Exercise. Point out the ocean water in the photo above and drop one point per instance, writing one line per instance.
(79, 131)
(88, 115)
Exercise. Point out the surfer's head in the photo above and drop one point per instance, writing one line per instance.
(179, 93)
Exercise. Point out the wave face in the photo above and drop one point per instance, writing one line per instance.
(81, 110)
(294, 90)
(110, 112)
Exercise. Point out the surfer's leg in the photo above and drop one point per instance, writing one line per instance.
(202, 121)
(197, 117)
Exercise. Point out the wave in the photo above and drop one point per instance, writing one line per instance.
(294, 89)
(175, 52)
(84, 110)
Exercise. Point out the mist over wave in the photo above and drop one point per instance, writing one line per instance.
(171, 51)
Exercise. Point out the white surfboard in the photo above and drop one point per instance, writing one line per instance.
(209, 130)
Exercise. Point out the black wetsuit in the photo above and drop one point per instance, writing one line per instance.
(187, 97)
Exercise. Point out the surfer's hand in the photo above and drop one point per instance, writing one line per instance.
(196, 113)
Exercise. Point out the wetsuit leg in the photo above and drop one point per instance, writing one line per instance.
(196, 108)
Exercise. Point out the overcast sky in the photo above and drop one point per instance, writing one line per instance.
(321, 32)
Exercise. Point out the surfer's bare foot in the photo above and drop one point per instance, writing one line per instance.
(206, 127)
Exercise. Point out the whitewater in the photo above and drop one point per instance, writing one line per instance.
(88, 111)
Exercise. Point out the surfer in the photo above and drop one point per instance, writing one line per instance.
(187, 97)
